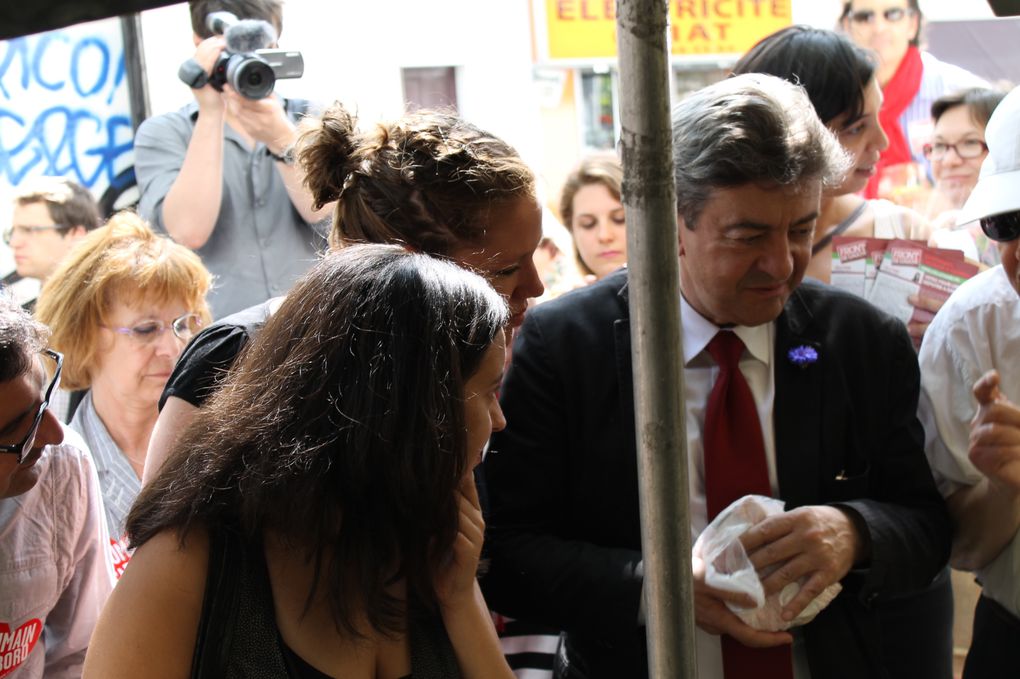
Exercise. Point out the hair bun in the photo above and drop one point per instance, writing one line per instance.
(325, 150)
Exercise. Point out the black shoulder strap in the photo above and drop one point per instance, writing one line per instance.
(219, 610)
(432, 655)
(840, 228)
(237, 636)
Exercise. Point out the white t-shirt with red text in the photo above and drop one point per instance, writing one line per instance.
(55, 566)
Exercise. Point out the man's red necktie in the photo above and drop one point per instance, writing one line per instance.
(735, 466)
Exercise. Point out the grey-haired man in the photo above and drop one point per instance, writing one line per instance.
(793, 390)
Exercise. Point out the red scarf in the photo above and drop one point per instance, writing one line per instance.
(898, 92)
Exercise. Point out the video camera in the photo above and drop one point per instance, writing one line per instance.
(246, 64)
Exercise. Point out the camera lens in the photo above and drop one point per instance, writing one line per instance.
(251, 76)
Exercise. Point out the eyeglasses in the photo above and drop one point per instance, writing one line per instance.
(28, 231)
(966, 149)
(892, 15)
(146, 332)
(1004, 227)
(25, 447)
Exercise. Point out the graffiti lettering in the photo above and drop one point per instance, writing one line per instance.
(64, 108)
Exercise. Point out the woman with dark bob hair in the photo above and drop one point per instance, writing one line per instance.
(840, 80)
(319, 517)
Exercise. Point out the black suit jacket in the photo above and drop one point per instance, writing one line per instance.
(564, 527)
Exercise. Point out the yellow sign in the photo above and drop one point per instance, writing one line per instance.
(586, 29)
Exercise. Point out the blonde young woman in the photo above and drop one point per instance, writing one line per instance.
(591, 210)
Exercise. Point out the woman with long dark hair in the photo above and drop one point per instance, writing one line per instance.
(319, 517)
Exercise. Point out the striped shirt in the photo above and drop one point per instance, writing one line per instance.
(117, 480)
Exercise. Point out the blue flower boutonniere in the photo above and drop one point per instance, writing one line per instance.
(802, 356)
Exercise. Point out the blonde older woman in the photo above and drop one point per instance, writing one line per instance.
(121, 307)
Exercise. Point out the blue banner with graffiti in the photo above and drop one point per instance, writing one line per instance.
(65, 111)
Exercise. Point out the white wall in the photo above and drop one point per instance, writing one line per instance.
(354, 51)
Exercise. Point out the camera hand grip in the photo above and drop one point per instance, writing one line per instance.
(192, 74)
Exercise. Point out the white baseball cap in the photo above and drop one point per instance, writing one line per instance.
(998, 187)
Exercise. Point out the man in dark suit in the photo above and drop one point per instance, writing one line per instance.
(834, 384)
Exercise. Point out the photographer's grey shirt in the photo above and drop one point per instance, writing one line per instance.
(260, 244)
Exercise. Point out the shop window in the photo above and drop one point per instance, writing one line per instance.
(691, 77)
(598, 110)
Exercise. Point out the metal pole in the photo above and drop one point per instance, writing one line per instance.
(649, 198)
(134, 65)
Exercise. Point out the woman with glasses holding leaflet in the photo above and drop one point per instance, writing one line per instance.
(121, 307)
(956, 151)
(911, 79)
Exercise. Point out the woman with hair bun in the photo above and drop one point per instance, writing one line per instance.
(429, 181)
(319, 518)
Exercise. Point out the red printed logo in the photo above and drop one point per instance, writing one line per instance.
(16, 645)
(906, 256)
(851, 251)
(119, 556)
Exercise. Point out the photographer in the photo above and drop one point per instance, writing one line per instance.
(217, 176)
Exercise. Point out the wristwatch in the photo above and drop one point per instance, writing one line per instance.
(286, 156)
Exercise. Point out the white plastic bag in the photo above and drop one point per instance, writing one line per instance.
(727, 566)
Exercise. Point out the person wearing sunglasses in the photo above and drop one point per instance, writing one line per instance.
(55, 573)
(121, 307)
(911, 79)
(970, 377)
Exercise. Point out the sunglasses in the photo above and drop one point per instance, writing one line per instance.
(1003, 227)
(23, 448)
(892, 15)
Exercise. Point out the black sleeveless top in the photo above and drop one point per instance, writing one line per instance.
(237, 633)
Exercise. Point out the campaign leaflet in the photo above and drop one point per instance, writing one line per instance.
(854, 262)
(887, 272)
(940, 276)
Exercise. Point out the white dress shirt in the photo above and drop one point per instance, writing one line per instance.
(700, 372)
(977, 330)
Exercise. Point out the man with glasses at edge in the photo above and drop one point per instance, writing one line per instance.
(55, 573)
(51, 215)
(911, 79)
(970, 379)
